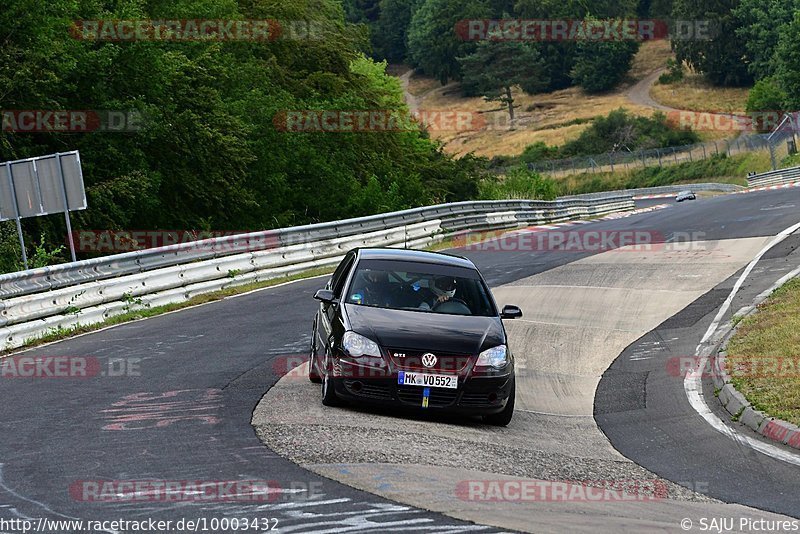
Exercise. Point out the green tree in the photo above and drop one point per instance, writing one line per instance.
(759, 24)
(208, 154)
(560, 56)
(601, 65)
(497, 66)
(788, 62)
(722, 56)
(388, 34)
(434, 45)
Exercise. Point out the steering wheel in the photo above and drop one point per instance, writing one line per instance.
(454, 305)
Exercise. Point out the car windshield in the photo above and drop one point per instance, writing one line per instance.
(401, 285)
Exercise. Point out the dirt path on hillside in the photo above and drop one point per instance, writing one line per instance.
(640, 92)
(411, 100)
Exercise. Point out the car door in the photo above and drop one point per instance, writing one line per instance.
(327, 313)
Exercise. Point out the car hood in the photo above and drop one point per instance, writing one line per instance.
(426, 331)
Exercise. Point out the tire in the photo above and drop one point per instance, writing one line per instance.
(329, 397)
(504, 417)
(313, 375)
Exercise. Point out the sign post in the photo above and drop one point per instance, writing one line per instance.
(16, 216)
(66, 205)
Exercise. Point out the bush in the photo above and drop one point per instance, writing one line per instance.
(673, 74)
(519, 183)
(538, 151)
(619, 131)
(766, 95)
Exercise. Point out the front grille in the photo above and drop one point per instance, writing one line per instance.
(437, 398)
(445, 362)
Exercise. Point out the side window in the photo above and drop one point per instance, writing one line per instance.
(340, 275)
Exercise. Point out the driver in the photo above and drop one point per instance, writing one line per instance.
(441, 290)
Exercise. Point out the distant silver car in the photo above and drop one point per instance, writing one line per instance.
(685, 195)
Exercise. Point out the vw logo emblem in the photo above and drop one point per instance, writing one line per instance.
(428, 359)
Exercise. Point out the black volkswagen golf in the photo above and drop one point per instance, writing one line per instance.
(413, 329)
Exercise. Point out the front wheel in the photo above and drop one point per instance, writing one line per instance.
(313, 375)
(504, 417)
(329, 397)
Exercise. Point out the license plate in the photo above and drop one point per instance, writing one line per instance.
(405, 378)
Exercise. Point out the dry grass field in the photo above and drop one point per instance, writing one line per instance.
(696, 94)
(553, 118)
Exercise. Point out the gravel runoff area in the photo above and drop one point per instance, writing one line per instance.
(291, 421)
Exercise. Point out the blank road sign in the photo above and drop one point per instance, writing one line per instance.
(36, 185)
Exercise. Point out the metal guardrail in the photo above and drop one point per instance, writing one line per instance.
(37, 301)
(778, 177)
(726, 188)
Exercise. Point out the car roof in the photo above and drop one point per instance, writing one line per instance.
(424, 256)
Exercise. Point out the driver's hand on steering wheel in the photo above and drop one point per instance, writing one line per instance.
(442, 298)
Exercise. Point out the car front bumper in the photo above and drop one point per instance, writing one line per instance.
(476, 395)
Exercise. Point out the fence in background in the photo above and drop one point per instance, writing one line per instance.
(654, 157)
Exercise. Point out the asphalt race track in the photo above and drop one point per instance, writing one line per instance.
(184, 413)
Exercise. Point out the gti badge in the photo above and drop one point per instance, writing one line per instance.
(428, 359)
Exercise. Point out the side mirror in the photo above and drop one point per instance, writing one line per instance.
(325, 295)
(510, 312)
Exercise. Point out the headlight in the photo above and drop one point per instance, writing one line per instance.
(495, 357)
(357, 345)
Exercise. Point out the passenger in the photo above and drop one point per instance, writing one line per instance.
(372, 288)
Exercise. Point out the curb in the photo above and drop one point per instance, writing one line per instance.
(766, 188)
(737, 405)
